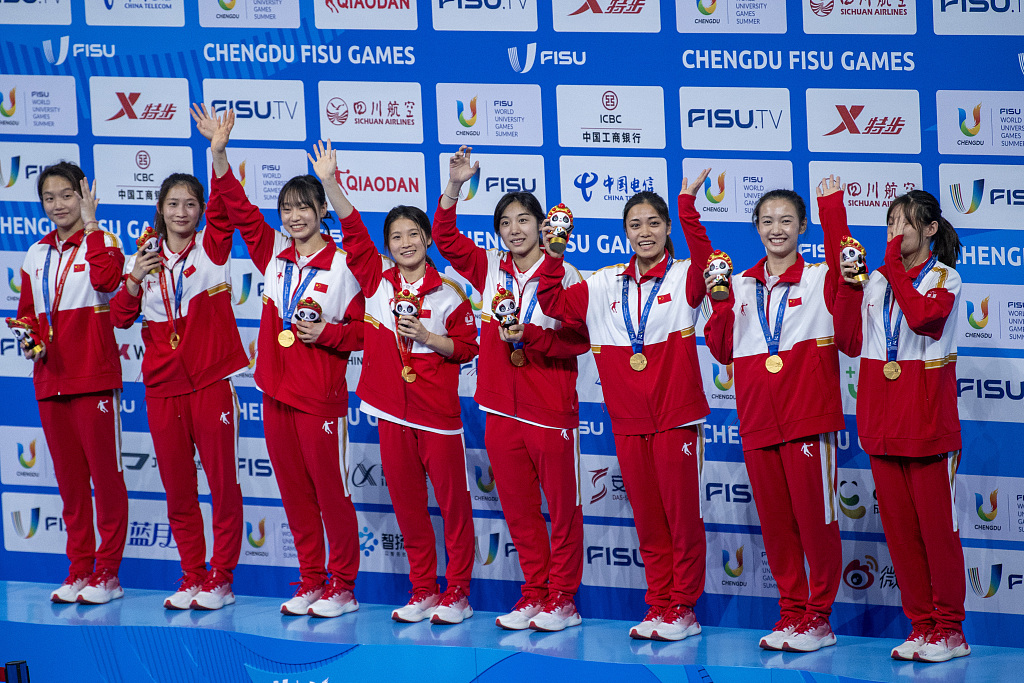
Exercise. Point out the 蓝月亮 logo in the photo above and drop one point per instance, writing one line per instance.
(367, 542)
(976, 322)
(467, 121)
(486, 487)
(256, 541)
(725, 384)
(27, 456)
(860, 575)
(522, 67)
(733, 572)
(850, 505)
(712, 197)
(492, 549)
(26, 528)
(995, 577)
(337, 111)
(956, 194)
(972, 130)
(993, 499)
(707, 8)
(823, 8)
(8, 111)
(12, 177)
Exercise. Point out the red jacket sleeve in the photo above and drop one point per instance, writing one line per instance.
(125, 308)
(106, 261)
(361, 253)
(348, 334)
(564, 342)
(469, 260)
(26, 302)
(832, 214)
(925, 313)
(238, 210)
(699, 246)
(847, 319)
(719, 328)
(461, 326)
(219, 230)
(568, 305)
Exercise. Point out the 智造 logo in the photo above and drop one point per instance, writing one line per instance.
(13, 176)
(995, 577)
(822, 9)
(259, 540)
(367, 542)
(488, 486)
(522, 67)
(993, 499)
(707, 8)
(978, 323)
(337, 111)
(850, 504)
(976, 194)
(14, 281)
(733, 572)
(860, 575)
(5, 111)
(712, 197)
(726, 383)
(26, 528)
(62, 51)
(972, 130)
(467, 121)
(492, 549)
(27, 456)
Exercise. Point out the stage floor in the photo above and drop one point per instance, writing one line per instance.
(134, 639)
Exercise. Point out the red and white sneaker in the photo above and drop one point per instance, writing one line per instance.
(559, 613)
(942, 645)
(189, 586)
(811, 634)
(306, 594)
(519, 618)
(651, 620)
(102, 588)
(216, 591)
(906, 650)
(453, 607)
(784, 628)
(334, 601)
(68, 591)
(677, 623)
(420, 606)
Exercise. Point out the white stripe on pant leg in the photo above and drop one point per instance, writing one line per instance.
(342, 431)
(827, 458)
(465, 462)
(700, 469)
(952, 464)
(238, 413)
(117, 428)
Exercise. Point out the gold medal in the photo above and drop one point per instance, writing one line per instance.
(519, 358)
(638, 361)
(773, 364)
(892, 370)
(175, 340)
(286, 338)
(408, 375)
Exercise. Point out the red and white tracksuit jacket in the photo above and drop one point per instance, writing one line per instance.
(303, 385)
(420, 422)
(533, 413)
(788, 440)
(189, 400)
(910, 426)
(661, 465)
(78, 384)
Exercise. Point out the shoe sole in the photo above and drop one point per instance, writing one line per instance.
(62, 601)
(512, 628)
(770, 648)
(786, 647)
(953, 654)
(434, 619)
(330, 616)
(171, 606)
(203, 608)
(686, 634)
(636, 635)
(288, 612)
(567, 624)
(81, 601)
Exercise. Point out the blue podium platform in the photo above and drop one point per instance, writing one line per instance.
(135, 640)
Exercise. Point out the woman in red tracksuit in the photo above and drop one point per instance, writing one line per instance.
(419, 329)
(67, 281)
(640, 318)
(527, 385)
(776, 327)
(301, 371)
(192, 347)
(903, 326)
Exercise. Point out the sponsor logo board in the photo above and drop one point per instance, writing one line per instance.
(730, 16)
(870, 187)
(498, 175)
(870, 121)
(38, 105)
(597, 187)
(489, 114)
(264, 109)
(355, 111)
(132, 174)
(734, 185)
(617, 117)
(735, 118)
(140, 107)
(21, 163)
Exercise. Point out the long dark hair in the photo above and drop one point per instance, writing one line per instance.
(659, 205)
(921, 208)
(786, 195)
(305, 190)
(63, 169)
(194, 187)
(415, 215)
(526, 200)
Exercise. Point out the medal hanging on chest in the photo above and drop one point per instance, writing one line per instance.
(507, 311)
(773, 363)
(892, 369)
(286, 337)
(406, 303)
(638, 361)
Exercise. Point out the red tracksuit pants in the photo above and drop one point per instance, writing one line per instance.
(83, 433)
(916, 502)
(409, 456)
(205, 420)
(309, 459)
(526, 459)
(794, 487)
(662, 473)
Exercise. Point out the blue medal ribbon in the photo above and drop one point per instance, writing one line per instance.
(529, 309)
(293, 302)
(636, 339)
(770, 338)
(892, 336)
(60, 285)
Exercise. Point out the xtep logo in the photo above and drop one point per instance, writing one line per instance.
(13, 177)
(739, 562)
(227, 5)
(471, 120)
(485, 487)
(246, 286)
(970, 131)
(33, 523)
(127, 105)
(847, 503)
(614, 7)
(598, 476)
(30, 461)
(61, 55)
(707, 9)
(13, 281)
(993, 499)
(513, 58)
(715, 198)
(4, 111)
(474, 182)
(492, 550)
(976, 194)
(875, 125)
(717, 372)
(978, 323)
(152, 112)
(995, 577)
(257, 542)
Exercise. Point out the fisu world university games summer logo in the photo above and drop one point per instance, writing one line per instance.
(957, 195)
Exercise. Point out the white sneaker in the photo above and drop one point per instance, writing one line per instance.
(784, 628)
(909, 647)
(420, 606)
(305, 595)
(942, 645)
(645, 628)
(215, 593)
(519, 618)
(559, 613)
(677, 623)
(452, 608)
(68, 591)
(334, 601)
(189, 585)
(103, 587)
(811, 634)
